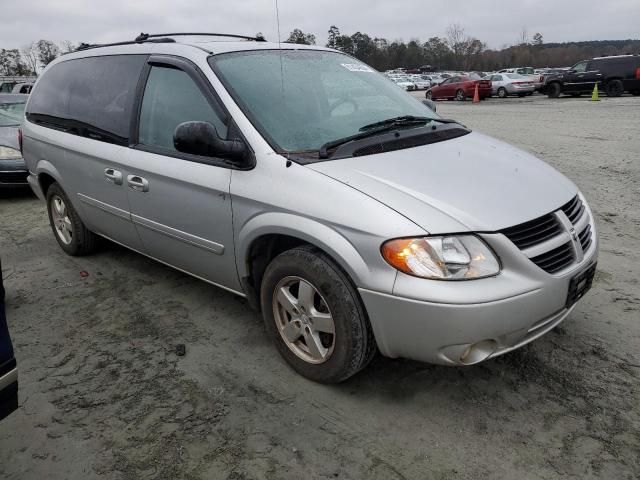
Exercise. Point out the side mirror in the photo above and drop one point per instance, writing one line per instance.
(201, 138)
(430, 104)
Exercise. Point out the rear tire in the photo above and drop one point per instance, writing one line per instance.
(460, 96)
(614, 88)
(344, 352)
(554, 90)
(68, 229)
(502, 92)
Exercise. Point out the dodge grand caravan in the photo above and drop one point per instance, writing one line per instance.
(355, 218)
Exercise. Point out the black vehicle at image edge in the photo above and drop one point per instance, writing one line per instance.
(614, 75)
(8, 366)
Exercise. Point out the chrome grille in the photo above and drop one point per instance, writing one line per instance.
(533, 232)
(585, 238)
(555, 260)
(548, 241)
(573, 209)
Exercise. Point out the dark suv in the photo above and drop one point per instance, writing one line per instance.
(615, 75)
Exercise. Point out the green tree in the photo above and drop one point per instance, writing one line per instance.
(47, 52)
(298, 36)
(11, 63)
(334, 33)
(537, 39)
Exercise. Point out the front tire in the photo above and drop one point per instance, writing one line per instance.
(315, 316)
(428, 95)
(71, 234)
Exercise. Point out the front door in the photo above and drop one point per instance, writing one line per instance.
(580, 78)
(180, 203)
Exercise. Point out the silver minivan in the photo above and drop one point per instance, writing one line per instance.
(346, 211)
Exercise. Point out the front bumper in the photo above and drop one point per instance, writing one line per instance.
(462, 323)
(13, 173)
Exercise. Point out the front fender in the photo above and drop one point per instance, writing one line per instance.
(315, 233)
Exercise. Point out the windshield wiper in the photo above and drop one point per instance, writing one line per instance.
(380, 127)
(397, 121)
(372, 130)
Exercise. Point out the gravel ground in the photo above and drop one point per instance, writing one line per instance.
(104, 395)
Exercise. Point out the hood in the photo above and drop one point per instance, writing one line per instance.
(9, 137)
(471, 183)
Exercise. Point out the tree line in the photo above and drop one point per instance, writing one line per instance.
(455, 51)
(459, 51)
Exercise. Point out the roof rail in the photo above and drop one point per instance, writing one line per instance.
(163, 38)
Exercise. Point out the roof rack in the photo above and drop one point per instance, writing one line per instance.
(163, 38)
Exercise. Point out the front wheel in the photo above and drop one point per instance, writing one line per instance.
(315, 316)
(72, 236)
(460, 96)
(429, 95)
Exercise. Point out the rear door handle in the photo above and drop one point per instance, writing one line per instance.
(137, 183)
(113, 176)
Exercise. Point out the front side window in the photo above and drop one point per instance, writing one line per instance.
(302, 99)
(579, 67)
(171, 97)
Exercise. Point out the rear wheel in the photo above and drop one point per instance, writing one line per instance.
(460, 96)
(502, 92)
(315, 316)
(614, 88)
(72, 236)
(553, 90)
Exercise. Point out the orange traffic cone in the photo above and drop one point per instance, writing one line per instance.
(476, 95)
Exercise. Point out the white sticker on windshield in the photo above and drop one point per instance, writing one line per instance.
(356, 67)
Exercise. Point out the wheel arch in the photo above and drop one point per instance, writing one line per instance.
(267, 235)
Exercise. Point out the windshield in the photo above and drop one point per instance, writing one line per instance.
(11, 114)
(313, 97)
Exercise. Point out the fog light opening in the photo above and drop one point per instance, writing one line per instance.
(479, 351)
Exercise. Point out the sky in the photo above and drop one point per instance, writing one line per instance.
(496, 22)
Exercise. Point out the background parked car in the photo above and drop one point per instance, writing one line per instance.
(616, 75)
(8, 367)
(404, 82)
(505, 84)
(24, 88)
(422, 82)
(529, 72)
(460, 87)
(13, 171)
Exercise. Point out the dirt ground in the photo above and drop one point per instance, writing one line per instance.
(104, 395)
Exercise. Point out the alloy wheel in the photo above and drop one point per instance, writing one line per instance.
(303, 319)
(61, 221)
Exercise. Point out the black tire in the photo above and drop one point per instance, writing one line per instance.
(554, 90)
(614, 88)
(82, 240)
(428, 95)
(460, 96)
(502, 92)
(354, 345)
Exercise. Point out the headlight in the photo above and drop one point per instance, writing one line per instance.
(460, 257)
(8, 153)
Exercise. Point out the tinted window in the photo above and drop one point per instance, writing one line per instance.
(91, 97)
(580, 67)
(171, 97)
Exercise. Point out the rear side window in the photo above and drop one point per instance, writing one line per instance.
(91, 97)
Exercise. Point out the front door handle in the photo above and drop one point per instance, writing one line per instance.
(112, 175)
(137, 183)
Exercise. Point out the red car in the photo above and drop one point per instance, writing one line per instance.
(460, 87)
